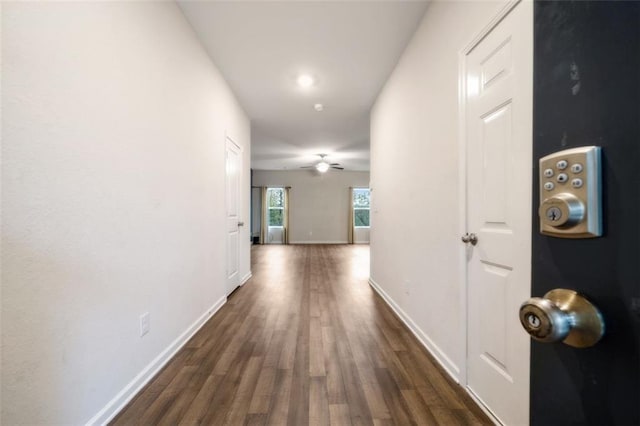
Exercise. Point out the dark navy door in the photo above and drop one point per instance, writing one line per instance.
(587, 92)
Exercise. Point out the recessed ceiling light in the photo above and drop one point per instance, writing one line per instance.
(305, 80)
(318, 107)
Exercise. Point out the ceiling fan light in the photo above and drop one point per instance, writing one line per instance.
(305, 81)
(322, 167)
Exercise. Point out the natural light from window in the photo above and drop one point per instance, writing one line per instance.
(361, 206)
(275, 197)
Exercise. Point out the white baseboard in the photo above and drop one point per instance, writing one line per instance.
(123, 397)
(449, 366)
(246, 278)
(318, 242)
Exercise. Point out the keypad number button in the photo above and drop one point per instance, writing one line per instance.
(576, 168)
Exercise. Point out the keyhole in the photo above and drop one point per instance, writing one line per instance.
(554, 214)
(533, 320)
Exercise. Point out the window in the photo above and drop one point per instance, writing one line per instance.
(361, 205)
(275, 199)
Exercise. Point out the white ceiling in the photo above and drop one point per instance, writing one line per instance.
(350, 47)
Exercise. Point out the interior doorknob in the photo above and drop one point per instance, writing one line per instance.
(470, 238)
(240, 223)
(562, 315)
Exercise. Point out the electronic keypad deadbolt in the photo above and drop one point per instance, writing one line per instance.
(570, 194)
(562, 315)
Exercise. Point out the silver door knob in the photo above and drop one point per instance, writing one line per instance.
(562, 315)
(470, 238)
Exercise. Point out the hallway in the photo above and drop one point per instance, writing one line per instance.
(305, 341)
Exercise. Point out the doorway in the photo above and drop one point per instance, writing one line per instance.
(256, 214)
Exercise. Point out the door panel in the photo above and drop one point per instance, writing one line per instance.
(587, 92)
(497, 64)
(232, 197)
(498, 132)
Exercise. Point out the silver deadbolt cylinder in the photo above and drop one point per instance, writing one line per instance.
(562, 210)
(562, 315)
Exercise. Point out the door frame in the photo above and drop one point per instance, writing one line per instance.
(502, 12)
(229, 140)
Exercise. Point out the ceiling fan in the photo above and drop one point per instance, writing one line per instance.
(323, 165)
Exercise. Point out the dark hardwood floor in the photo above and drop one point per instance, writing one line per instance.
(305, 341)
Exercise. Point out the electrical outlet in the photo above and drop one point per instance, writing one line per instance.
(145, 324)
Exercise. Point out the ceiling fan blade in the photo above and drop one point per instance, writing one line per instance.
(334, 164)
(307, 167)
(337, 168)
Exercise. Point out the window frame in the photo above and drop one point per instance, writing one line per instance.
(354, 208)
(269, 208)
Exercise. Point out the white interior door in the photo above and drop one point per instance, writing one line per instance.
(499, 104)
(232, 198)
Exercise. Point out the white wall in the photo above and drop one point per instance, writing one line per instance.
(112, 200)
(415, 241)
(319, 203)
